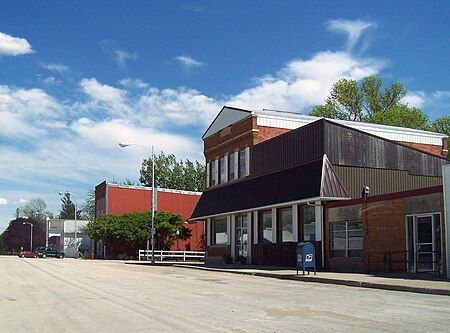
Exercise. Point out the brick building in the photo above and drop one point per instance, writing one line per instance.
(273, 178)
(120, 199)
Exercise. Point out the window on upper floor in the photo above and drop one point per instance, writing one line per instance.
(243, 163)
(223, 169)
(213, 173)
(232, 166)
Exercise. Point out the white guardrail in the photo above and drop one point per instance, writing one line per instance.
(167, 254)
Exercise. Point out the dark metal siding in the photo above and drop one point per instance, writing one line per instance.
(349, 147)
(297, 147)
(381, 181)
(288, 185)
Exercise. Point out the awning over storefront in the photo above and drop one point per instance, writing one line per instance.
(312, 180)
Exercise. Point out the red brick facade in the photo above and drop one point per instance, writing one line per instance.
(384, 231)
(266, 133)
(237, 136)
(432, 149)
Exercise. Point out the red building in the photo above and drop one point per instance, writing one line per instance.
(120, 199)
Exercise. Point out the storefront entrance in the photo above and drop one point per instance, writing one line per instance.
(241, 236)
(423, 243)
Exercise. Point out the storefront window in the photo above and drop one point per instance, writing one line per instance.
(219, 231)
(265, 227)
(285, 225)
(346, 239)
(308, 221)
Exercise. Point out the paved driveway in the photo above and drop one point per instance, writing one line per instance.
(52, 295)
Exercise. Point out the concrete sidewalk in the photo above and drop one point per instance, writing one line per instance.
(426, 284)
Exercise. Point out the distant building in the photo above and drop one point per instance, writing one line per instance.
(278, 178)
(61, 235)
(120, 199)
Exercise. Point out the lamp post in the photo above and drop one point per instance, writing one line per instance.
(31, 235)
(127, 144)
(75, 221)
(47, 221)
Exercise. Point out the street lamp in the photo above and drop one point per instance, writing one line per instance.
(47, 221)
(75, 233)
(127, 144)
(31, 235)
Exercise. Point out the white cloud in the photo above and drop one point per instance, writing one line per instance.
(26, 111)
(188, 62)
(180, 106)
(13, 46)
(131, 83)
(353, 30)
(302, 84)
(58, 68)
(3, 201)
(122, 57)
(415, 99)
(101, 92)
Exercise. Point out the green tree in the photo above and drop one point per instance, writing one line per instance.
(88, 207)
(34, 209)
(402, 116)
(441, 125)
(368, 102)
(166, 227)
(131, 230)
(68, 208)
(174, 174)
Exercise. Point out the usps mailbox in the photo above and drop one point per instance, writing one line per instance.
(306, 257)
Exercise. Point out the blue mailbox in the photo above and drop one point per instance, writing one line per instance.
(306, 257)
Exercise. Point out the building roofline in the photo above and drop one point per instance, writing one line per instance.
(283, 204)
(148, 188)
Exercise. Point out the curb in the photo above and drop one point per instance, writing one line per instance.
(349, 283)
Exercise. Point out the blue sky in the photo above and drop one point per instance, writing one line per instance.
(77, 77)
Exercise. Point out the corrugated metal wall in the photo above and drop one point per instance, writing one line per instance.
(288, 150)
(381, 181)
(358, 158)
(349, 147)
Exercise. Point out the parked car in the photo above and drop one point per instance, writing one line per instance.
(44, 252)
(26, 254)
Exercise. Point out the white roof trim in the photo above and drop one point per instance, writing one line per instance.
(149, 188)
(291, 120)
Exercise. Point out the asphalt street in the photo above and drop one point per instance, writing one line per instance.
(68, 295)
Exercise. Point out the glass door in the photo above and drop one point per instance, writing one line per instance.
(241, 236)
(423, 242)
